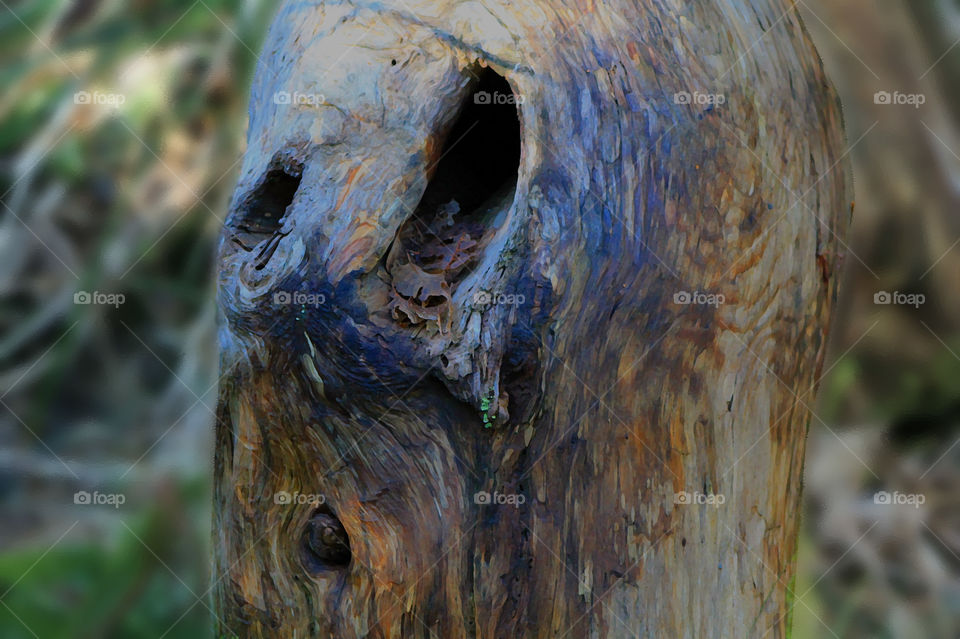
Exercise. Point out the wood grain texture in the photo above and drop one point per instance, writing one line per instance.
(533, 343)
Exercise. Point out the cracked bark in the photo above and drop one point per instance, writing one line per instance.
(427, 295)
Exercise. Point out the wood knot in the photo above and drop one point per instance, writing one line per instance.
(325, 544)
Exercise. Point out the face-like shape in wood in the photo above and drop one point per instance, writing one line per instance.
(497, 283)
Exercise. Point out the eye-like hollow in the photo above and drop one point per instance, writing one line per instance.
(471, 187)
(324, 544)
(259, 215)
(481, 154)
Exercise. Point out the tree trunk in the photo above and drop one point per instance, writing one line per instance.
(523, 310)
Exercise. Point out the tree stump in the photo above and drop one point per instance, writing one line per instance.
(523, 307)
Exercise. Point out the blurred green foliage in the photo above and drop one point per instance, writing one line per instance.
(137, 195)
(147, 577)
(125, 589)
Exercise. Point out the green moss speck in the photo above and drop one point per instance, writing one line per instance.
(485, 402)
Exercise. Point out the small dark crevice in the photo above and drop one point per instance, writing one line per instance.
(260, 214)
(324, 544)
(520, 374)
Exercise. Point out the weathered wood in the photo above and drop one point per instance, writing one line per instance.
(428, 295)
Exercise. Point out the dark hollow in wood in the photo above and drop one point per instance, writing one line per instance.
(481, 153)
(325, 543)
(261, 212)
